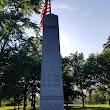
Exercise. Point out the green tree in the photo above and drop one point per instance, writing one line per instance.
(23, 71)
(83, 73)
(15, 17)
(99, 97)
(69, 93)
(104, 76)
(77, 62)
(106, 46)
(91, 68)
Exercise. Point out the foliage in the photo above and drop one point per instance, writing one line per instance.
(104, 76)
(98, 97)
(79, 75)
(107, 44)
(82, 73)
(23, 72)
(20, 54)
(69, 93)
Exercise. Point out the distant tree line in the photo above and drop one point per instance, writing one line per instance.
(82, 76)
(97, 97)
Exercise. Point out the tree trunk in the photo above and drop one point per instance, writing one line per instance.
(18, 107)
(14, 104)
(0, 103)
(14, 107)
(34, 102)
(25, 98)
(32, 99)
(66, 103)
(109, 101)
(33, 95)
(90, 101)
(90, 93)
(83, 100)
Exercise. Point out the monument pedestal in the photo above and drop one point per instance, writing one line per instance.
(51, 90)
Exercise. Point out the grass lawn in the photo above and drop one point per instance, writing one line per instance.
(73, 107)
(11, 108)
(89, 107)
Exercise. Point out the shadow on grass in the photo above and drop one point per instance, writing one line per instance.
(19, 109)
(22, 109)
(86, 108)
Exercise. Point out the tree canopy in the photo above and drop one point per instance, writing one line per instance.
(20, 54)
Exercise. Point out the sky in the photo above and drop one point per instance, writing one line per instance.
(84, 25)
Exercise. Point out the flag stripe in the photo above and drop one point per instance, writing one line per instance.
(46, 10)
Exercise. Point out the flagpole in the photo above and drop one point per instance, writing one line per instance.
(50, 6)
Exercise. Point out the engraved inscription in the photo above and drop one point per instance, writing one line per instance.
(50, 85)
(56, 80)
(49, 75)
(56, 85)
(49, 105)
(43, 75)
(56, 75)
(43, 80)
(51, 81)
(51, 97)
(43, 85)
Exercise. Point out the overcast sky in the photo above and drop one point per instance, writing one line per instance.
(84, 25)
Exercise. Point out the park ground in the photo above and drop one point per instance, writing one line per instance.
(72, 107)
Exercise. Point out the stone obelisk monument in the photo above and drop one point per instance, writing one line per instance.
(51, 90)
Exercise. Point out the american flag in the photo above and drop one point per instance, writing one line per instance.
(46, 10)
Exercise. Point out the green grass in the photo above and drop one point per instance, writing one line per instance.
(73, 107)
(11, 108)
(6, 108)
(89, 107)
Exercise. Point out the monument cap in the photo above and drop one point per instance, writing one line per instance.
(50, 20)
